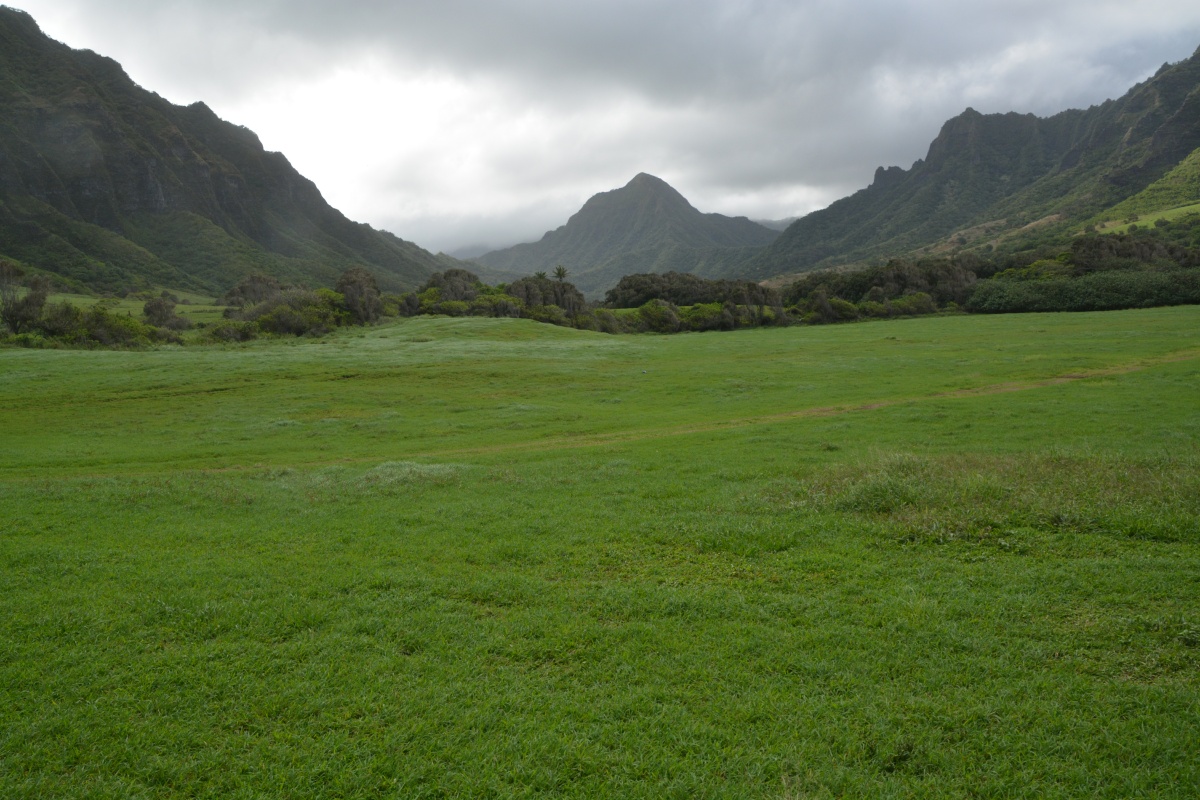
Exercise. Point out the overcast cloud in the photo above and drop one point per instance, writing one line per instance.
(490, 121)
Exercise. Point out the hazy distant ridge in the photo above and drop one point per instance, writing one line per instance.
(645, 226)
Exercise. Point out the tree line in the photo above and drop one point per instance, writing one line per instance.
(1145, 266)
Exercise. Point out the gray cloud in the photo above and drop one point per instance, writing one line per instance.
(762, 107)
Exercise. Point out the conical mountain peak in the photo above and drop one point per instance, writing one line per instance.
(634, 226)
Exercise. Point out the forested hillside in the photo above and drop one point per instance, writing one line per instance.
(1002, 181)
(110, 187)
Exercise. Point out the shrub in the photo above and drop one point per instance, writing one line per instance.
(299, 312)
(231, 332)
(252, 290)
(547, 313)
(496, 305)
(913, 305)
(360, 295)
(659, 316)
(160, 311)
(843, 310)
(706, 317)
(454, 308)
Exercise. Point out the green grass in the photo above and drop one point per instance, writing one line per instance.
(199, 308)
(1147, 221)
(936, 557)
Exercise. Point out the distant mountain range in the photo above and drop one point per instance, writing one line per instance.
(112, 187)
(645, 226)
(1007, 181)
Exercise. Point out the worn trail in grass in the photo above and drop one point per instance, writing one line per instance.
(946, 587)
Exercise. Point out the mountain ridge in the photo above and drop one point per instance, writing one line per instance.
(987, 177)
(644, 226)
(110, 186)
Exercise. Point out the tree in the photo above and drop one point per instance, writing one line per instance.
(252, 290)
(160, 312)
(361, 295)
(560, 273)
(19, 309)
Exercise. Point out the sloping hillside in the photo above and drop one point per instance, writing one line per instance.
(987, 177)
(645, 226)
(112, 187)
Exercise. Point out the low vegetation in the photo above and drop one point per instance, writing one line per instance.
(937, 557)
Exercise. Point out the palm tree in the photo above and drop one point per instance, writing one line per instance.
(560, 273)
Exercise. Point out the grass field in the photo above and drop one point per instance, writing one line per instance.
(937, 557)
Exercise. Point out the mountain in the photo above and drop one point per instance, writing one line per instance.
(1003, 180)
(111, 187)
(776, 224)
(645, 226)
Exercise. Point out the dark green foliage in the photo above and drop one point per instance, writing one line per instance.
(659, 316)
(115, 330)
(454, 284)
(253, 289)
(540, 290)
(299, 312)
(63, 322)
(1147, 267)
(945, 280)
(20, 307)
(709, 317)
(360, 295)
(1099, 291)
(684, 289)
(232, 331)
(1094, 253)
(99, 326)
(160, 312)
(457, 293)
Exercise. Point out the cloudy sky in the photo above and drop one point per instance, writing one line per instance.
(462, 122)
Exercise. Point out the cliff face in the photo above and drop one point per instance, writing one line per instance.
(111, 186)
(1004, 171)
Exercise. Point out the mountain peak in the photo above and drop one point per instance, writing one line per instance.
(648, 180)
(636, 228)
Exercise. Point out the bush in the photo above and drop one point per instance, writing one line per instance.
(843, 310)
(113, 330)
(913, 305)
(299, 312)
(547, 313)
(160, 312)
(64, 322)
(496, 305)
(659, 316)
(231, 332)
(252, 290)
(454, 308)
(360, 295)
(706, 317)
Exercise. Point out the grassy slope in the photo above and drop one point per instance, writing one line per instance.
(489, 558)
(1172, 196)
